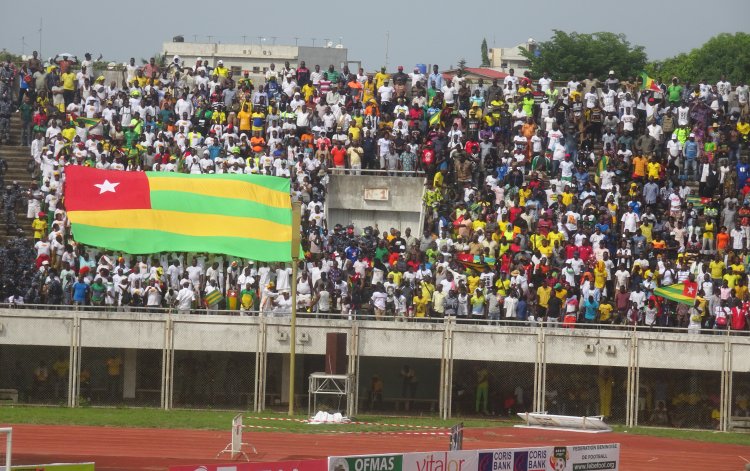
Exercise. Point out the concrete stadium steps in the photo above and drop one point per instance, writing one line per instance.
(17, 157)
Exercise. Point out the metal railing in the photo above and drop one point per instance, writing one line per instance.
(367, 315)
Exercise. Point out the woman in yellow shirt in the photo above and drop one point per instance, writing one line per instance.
(708, 236)
(600, 275)
(68, 80)
(420, 305)
(245, 116)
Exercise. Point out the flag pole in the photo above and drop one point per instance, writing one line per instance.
(296, 216)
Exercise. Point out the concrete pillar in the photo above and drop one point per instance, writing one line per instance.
(129, 373)
(284, 377)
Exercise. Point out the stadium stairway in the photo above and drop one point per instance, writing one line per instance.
(17, 157)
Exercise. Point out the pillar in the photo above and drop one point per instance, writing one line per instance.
(129, 362)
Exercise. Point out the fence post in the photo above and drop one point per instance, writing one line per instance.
(631, 395)
(167, 364)
(446, 371)
(353, 371)
(540, 371)
(74, 362)
(725, 405)
(261, 356)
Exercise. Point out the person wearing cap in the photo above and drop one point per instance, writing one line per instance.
(611, 81)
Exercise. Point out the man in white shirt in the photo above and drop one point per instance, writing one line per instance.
(386, 94)
(416, 76)
(628, 120)
(511, 78)
(544, 82)
(630, 221)
(185, 298)
(449, 92)
(738, 237)
(724, 88)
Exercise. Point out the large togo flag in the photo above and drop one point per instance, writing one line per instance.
(247, 216)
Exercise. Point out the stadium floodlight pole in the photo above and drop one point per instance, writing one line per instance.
(296, 216)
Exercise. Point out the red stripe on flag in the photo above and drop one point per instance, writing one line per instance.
(90, 189)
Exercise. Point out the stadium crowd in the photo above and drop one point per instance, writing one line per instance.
(561, 200)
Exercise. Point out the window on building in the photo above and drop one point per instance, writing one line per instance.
(256, 70)
(236, 70)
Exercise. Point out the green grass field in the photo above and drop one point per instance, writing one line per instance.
(220, 420)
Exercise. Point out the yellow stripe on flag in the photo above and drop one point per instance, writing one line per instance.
(221, 189)
(191, 224)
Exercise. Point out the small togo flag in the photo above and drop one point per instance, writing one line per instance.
(649, 83)
(214, 297)
(248, 216)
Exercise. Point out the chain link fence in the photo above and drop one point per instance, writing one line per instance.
(120, 377)
(213, 379)
(586, 391)
(277, 381)
(679, 398)
(740, 401)
(499, 389)
(34, 374)
(398, 385)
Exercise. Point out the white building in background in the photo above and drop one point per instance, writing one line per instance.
(257, 58)
(506, 58)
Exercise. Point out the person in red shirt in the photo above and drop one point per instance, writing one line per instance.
(739, 319)
(722, 240)
(338, 157)
(428, 158)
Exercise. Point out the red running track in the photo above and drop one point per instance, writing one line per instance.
(115, 449)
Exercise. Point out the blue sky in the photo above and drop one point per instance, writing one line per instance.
(419, 32)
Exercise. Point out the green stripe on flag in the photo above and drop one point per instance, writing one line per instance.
(214, 297)
(272, 183)
(202, 204)
(142, 241)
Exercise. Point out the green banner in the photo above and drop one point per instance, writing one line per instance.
(56, 467)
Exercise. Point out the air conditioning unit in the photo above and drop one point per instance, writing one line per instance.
(611, 350)
(590, 348)
(304, 338)
(282, 336)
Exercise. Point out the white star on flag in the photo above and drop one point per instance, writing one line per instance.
(106, 186)
(691, 290)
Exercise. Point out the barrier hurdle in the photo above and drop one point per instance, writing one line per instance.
(234, 447)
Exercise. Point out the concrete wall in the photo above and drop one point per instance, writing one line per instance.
(377, 339)
(346, 202)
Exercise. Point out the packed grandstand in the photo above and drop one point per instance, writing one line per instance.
(548, 199)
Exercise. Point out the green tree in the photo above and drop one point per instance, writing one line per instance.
(725, 53)
(462, 64)
(485, 54)
(568, 54)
